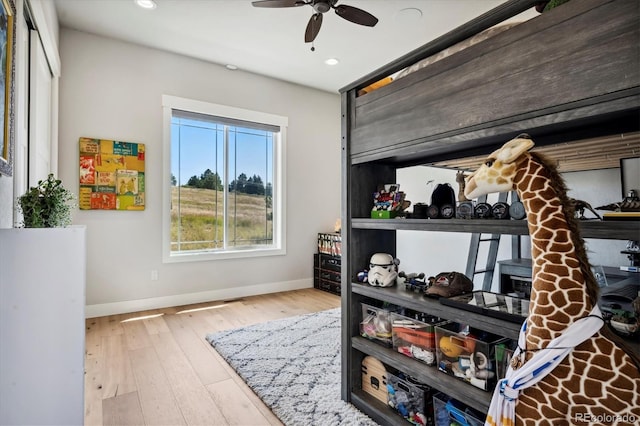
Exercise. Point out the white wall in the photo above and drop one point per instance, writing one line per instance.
(598, 188)
(434, 252)
(112, 90)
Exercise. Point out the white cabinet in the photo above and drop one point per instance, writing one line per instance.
(42, 327)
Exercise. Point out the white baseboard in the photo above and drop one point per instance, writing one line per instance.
(104, 309)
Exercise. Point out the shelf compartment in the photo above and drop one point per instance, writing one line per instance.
(622, 230)
(474, 397)
(379, 412)
(417, 302)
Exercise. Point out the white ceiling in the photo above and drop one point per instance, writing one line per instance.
(271, 41)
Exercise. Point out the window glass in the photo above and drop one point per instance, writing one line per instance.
(225, 182)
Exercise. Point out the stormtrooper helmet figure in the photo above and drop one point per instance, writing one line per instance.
(383, 270)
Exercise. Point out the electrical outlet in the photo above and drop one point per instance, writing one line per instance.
(154, 275)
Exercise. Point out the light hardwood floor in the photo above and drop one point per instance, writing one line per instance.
(160, 370)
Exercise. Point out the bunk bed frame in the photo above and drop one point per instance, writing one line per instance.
(569, 74)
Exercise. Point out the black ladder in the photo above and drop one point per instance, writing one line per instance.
(492, 253)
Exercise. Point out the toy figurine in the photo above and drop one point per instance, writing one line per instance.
(383, 270)
(563, 349)
(412, 281)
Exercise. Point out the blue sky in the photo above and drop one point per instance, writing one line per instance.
(201, 144)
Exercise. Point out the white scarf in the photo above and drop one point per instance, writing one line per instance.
(502, 410)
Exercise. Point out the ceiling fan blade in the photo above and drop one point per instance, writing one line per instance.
(356, 15)
(278, 3)
(313, 27)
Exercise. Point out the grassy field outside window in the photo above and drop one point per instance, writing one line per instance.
(224, 190)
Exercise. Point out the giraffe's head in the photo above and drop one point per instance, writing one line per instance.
(498, 170)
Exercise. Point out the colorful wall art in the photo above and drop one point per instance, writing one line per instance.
(111, 175)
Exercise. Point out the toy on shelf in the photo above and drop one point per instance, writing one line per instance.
(443, 202)
(374, 378)
(564, 293)
(415, 337)
(579, 206)
(389, 202)
(467, 355)
(461, 181)
(376, 324)
(412, 281)
(407, 396)
(383, 270)
(448, 284)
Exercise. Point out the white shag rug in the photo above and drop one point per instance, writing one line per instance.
(293, 365)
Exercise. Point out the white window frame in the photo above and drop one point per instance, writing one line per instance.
(170, 103)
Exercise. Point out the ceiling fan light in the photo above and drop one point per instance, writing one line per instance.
(146, 4)
(321, 7)
(332, 61)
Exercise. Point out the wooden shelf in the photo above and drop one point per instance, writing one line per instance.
(379, 412)
(429, 375)
(417, 302)
(623, 230)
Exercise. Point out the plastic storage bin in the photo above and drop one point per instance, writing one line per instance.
(411, 399)
(376, 324)
(467, 354)
(415, 338)
(450, 412)
(503, 358)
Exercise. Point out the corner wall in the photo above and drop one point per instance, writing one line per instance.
(112, 90)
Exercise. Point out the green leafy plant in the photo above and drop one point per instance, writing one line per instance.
(47, 205)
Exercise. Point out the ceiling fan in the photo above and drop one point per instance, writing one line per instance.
(320, 7)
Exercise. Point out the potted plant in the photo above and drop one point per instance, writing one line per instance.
(47, 205)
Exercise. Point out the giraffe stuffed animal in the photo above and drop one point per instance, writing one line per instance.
(597, 382)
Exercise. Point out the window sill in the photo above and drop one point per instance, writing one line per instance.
(203, 256)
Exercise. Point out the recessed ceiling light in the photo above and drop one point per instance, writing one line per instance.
(408, 15)
(231, 67)
(331, 61)
(146, 4)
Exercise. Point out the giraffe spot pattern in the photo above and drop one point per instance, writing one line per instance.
(596, 378)
(590, 385)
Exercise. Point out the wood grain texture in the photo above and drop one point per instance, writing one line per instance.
(93, 370)
(117, 375)
(197, 351)
(162, 370)
(235, 405)
(542, 74)
(122, 410)
(136, 335)
(159, 405)
(194, 402)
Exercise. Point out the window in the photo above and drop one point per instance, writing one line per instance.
(224, 184)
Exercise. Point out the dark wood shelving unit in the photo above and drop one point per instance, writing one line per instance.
(614, 230)
(469, 104)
